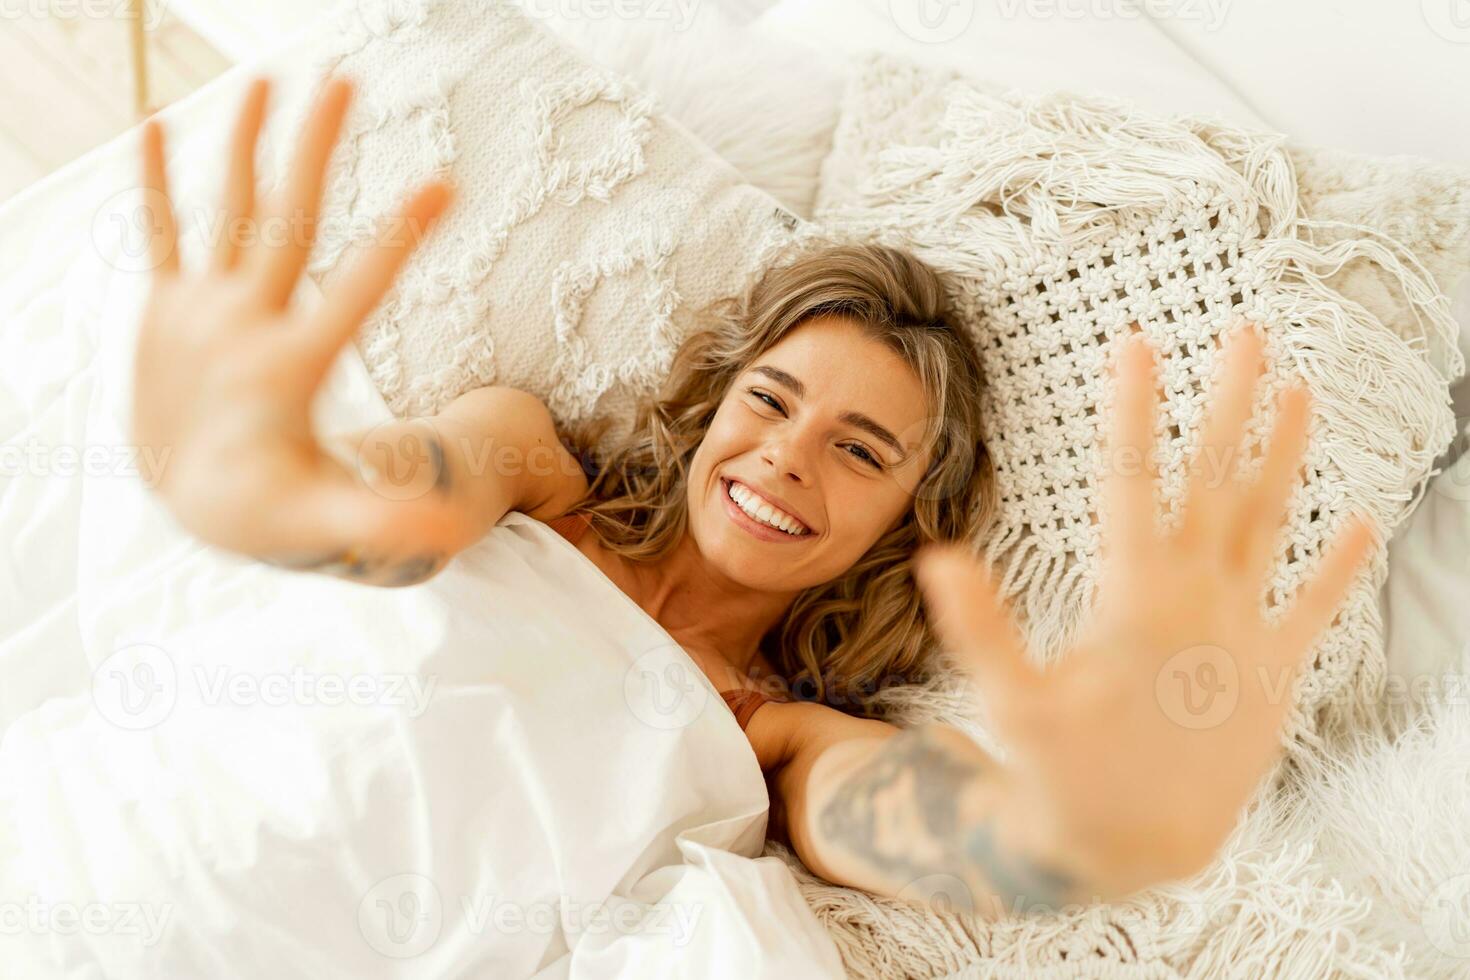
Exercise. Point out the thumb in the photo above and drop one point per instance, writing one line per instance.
(973, 623)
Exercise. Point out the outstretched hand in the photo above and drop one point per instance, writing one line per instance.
(226, 369)
(1138, 750)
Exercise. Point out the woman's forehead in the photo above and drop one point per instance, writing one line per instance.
(834, 363)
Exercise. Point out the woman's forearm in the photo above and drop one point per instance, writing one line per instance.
(387, 555)
(928, 816)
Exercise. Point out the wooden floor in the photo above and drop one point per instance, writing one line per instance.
(69, 83)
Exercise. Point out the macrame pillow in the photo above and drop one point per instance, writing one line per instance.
(588, 234)
(1061, 221)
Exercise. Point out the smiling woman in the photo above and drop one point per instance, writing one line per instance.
(838, 398)
(776, 511)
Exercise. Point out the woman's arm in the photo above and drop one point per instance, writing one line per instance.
(1129, 761)
(921, 814)
(491, 451)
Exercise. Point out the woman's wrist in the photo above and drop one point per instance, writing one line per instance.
(1053, 871)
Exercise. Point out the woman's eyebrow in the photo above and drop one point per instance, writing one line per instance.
(857, 419)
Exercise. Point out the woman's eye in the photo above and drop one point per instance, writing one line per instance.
(766, 398)
(866, 457)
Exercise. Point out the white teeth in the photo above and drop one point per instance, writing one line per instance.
(761, 510)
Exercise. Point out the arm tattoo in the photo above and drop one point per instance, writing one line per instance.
(442, 477)
(900, 813)
(352, 564)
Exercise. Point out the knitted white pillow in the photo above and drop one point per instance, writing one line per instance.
(1062, 220)
(588, 233)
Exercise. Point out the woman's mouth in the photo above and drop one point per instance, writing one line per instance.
(745, 508)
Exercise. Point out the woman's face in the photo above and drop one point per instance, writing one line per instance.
(807, 427)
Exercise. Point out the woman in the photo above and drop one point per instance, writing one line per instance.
(805, 465)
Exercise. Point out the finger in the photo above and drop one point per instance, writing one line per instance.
(239, 196)
(1128, 482)
(1265, 512)
(1231, 397)
(371, 275)
(163, 235)
(972, 622)
(1318, 600)
(296, 207)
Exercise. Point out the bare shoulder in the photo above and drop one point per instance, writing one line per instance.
(512, 432)
(785, 731)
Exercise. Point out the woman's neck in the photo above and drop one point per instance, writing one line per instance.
(702, 609)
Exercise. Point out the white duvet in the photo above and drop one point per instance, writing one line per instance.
(214, 768)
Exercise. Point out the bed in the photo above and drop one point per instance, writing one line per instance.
(68, 523)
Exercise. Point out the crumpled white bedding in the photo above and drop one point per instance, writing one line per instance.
(210, 767)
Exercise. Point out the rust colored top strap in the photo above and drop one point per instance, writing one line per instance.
(743, 704)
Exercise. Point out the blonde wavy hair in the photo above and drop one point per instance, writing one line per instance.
(842, 641)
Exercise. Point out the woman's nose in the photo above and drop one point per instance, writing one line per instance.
(790, 457)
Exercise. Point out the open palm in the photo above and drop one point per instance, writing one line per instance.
(226, 368)
(1141, 746)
